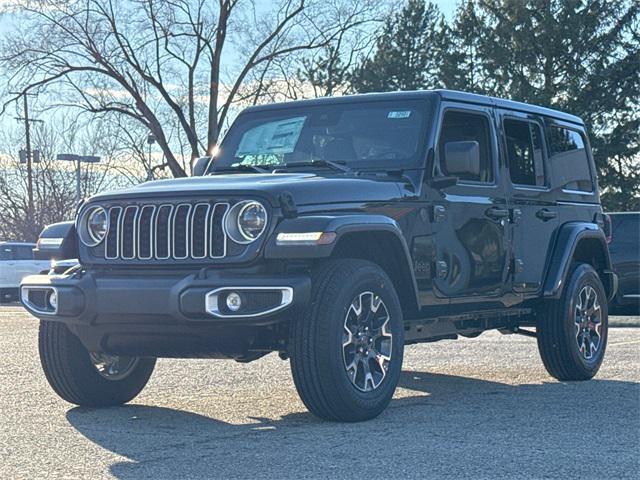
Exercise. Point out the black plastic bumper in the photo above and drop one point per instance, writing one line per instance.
(111, 298)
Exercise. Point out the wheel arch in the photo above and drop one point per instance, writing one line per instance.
(579, 242)
(376, 238)
(387, 250)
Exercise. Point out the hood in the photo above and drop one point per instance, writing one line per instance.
(306, 188)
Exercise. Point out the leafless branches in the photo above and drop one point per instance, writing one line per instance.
(178, 68)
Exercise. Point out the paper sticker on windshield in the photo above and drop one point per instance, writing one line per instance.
(270, 138)
(399, 114)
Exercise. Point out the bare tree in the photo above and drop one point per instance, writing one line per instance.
(166, 63)
(54, 184)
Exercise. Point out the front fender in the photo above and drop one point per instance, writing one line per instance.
(566, 245)
(397, 263)
(338, 224)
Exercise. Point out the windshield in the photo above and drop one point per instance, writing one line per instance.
(361, 136)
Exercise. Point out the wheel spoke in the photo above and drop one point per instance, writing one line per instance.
(588, 322)
(366, 341)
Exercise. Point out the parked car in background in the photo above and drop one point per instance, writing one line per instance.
(16, 262)
(625, 257)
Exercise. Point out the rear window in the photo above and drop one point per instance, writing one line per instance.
(569, 159)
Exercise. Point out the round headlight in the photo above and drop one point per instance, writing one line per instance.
(252, 220)
(246, 221)
(93, 226)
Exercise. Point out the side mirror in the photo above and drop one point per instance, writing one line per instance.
(200, 167)
(462, 158)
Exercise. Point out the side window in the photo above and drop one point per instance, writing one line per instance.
(626, 229)
(569, 159)
(524, 152)
(6, 252)
(463, 126)
(24, 253)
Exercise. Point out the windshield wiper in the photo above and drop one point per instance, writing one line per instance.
(241, 168)
(317, 163)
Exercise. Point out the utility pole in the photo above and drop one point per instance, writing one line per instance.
(27, 128)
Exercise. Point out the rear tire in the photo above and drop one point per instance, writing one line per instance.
(81, 378)
(572, 331)
(346, 351)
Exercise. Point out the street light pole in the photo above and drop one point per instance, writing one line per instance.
(78, 183)
(151, 139)
(78, 159)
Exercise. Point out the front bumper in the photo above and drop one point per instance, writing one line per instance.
(125, 297)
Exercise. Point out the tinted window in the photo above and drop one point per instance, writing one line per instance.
(24, 252)
(6, 252)
(524, 152)
(626, 229)
(365, 135)
(458, 127)
(569, 159)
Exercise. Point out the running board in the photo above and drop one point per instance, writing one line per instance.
(468, 324)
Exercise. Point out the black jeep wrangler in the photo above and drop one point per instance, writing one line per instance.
(334, 232)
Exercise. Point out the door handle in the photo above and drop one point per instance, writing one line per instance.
(546, 214)
(496, 213)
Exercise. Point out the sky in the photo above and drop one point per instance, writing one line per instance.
(9, 22)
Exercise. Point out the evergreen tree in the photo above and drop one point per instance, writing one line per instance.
(460, 66)
(326, 73)
(577, 56)
(407, 52)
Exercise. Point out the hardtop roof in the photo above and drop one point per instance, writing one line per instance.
(452, 95)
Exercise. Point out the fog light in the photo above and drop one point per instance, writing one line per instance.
(53, 300)
(234, 302)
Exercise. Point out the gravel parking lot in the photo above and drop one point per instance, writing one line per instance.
(480, 408)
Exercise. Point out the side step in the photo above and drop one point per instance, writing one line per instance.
(468, 324)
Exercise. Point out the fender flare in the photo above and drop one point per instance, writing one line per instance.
(341, 225)
(567, 240)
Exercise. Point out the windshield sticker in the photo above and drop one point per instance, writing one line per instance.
(399, 114)
(277, 137)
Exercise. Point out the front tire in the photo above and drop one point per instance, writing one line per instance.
(572, 331)
(89, 379)
(346, 352)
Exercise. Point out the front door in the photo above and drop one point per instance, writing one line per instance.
(470, 219)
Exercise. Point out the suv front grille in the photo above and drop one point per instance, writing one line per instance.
(166, 231)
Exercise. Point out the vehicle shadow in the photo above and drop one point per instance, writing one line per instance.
(438, 426)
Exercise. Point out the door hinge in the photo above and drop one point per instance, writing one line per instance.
(516, 215)
(517, 265)
(439, 213)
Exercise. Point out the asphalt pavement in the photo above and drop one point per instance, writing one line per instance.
(472, 408)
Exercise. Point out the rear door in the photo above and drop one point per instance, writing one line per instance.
(533, 211)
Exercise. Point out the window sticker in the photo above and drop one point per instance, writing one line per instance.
(277, 137)
(399, 114)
